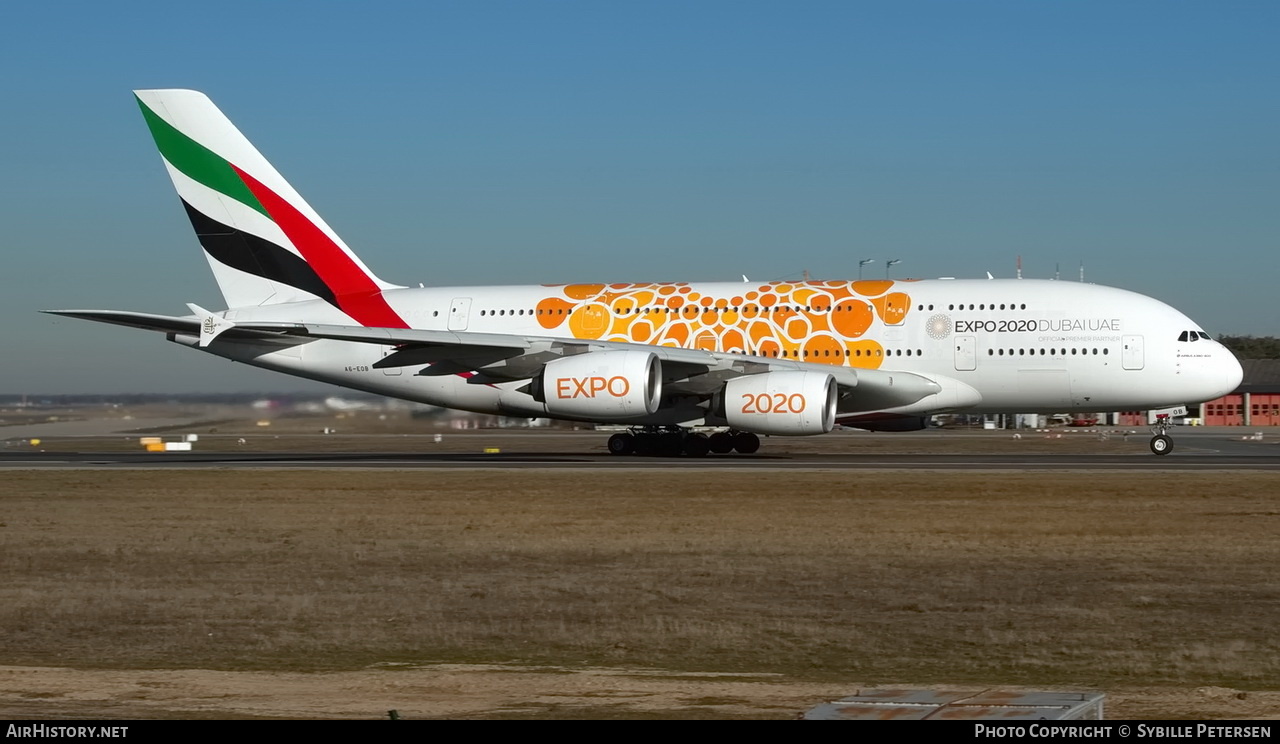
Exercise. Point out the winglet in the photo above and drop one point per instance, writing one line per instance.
(211, 324)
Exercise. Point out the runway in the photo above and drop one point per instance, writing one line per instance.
(1178, 462)
(297, 444)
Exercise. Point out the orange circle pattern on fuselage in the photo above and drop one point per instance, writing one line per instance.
(821, 322)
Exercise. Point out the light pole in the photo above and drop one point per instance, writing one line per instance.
(862, 263)
(888, 264)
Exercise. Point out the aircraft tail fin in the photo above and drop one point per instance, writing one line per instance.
(265, 244)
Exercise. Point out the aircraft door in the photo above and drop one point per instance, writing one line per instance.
(966, 353)
(1131, 356)
(459, 311)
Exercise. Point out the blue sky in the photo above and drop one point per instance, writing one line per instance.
(526, 142)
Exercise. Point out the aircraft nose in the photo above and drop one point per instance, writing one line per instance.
(1232, 371)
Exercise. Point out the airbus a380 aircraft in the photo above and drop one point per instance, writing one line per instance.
(779, 358)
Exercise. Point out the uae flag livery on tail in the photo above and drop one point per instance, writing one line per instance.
(264, 242)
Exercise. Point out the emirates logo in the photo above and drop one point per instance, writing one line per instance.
(209, 325)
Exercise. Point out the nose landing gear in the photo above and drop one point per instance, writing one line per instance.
(1161, 443)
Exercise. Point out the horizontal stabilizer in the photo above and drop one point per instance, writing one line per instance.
(145, 321)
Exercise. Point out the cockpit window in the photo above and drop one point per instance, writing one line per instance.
(1182, 336)
(1203, 335)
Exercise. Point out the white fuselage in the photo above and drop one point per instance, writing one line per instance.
(1023, 345)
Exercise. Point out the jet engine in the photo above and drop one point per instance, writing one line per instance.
(601, 385)
(783, 403)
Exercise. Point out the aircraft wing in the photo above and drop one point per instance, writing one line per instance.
(494, 358)
(693, 372)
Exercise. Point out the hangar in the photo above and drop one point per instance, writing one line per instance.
(1255, 403)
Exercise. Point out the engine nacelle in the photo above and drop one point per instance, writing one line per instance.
(783, 403)
(602, 385)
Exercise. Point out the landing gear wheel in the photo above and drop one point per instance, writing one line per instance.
(697, 445)
(746, 442)
(670, 445)
(721, 442)
(646, 444)
(622, 444)
(1161, 443)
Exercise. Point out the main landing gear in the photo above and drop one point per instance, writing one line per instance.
(674, 441)
(1161, 443)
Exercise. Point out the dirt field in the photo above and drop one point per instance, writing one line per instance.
(529, 593)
